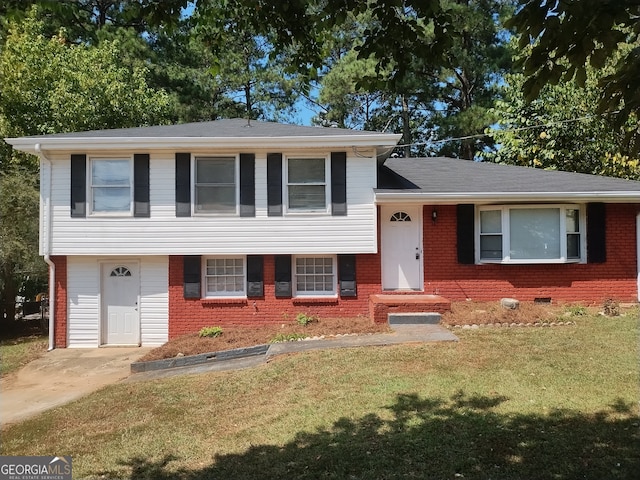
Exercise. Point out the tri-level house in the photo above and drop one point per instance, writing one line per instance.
(154, 232)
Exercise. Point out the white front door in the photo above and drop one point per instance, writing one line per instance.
(401, 247)
(120, 291)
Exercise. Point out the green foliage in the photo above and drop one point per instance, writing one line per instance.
(303, 319)
(577, 310)
(52, 86)
(288, 337)
(211, 332)
(561, 129)
(569, 38)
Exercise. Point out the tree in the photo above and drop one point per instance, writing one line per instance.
(561, 129)
(568, 38)
(49, 86)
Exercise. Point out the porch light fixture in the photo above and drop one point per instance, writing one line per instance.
(434, 215)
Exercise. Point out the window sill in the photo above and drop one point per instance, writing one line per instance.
(224, 301)
(529, 262)
(315, 300)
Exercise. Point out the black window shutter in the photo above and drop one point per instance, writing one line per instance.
(596, 233)
(274, 184)
(78, 186)
(283, 275)
(347, 275)
(465, 233)
(247, 185)
(141, 185)
(191, 276)
(255, 274)
(183, 184)
(338, 183)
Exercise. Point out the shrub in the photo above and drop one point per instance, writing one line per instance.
(303, 319)
(287, 337)
(210, 332)
(577, 310)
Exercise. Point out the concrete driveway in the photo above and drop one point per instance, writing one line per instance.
(61, 376)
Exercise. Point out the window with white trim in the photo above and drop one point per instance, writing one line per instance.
(314, 276)
(216, 185)
(225, 277)
(111, 186)
(530, 234)
(307, 188)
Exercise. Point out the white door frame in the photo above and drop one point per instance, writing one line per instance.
(102, 305)
(415, 211)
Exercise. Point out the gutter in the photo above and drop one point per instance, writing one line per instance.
(46, 244)
(420, 196)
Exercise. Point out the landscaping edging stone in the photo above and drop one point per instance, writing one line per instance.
(509, 324)
(190, 360)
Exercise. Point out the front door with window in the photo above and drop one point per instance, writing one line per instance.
(120, 290)
(401, 248)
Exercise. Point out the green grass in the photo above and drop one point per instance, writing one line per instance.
(18, 352)
(511, 403)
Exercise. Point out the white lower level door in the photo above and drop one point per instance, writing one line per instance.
(401, 247)
(120, 292)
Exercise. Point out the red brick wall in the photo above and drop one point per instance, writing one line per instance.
(60, 314)
(190, 315)
(617, 278)
(592, 283)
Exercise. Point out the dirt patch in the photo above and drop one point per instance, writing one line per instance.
(240, 337)
(470, 313)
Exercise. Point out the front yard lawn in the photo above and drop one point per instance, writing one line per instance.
(503, 403)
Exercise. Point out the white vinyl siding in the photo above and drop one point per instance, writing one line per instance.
(83, 300)
(165, 234)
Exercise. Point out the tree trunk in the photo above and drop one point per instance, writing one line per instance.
(406, 127)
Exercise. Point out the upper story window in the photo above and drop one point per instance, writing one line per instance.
(307, 188)
(216, 185)
(531, 234)
(111, 185)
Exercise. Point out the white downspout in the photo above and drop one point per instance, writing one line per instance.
(46, 243)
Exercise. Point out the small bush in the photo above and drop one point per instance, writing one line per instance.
(210, 332)
(611, 308)
(287, 337)
(303, 319)
(577, 310)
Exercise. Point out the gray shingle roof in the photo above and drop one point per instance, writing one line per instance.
(452, 176)
(231, 128)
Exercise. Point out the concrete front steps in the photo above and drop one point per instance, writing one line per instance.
(412, 309)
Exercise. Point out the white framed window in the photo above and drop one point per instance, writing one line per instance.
(216, 185)
(307, 185)
(530, 234)
(225, 277)
(314, 276)
(111, 186)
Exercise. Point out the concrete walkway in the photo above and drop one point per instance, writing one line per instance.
(61, 376)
